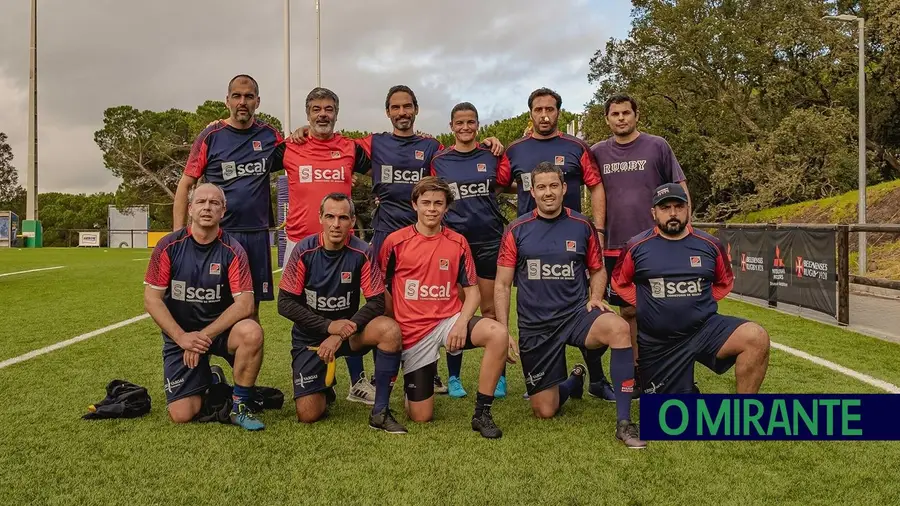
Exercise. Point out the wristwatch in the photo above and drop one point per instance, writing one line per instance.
(602, 231)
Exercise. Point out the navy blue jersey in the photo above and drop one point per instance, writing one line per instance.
(235, 160)
(674, 285)
(200, 280)
(398, 163)
(569, 153)
(332, 281)
(551, 258)
(474, 178)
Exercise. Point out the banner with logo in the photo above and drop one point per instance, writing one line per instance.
(88, 239)
(812, 269)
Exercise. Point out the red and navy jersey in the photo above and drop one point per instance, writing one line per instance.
(331, 281)
(398, 163)
(235, 160)
(567, 152)
(200, 280)
(422, 274)
(674, 285)
(474, 178)
(314, 170)
(552, 259)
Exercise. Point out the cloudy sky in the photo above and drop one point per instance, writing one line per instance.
(156, 55)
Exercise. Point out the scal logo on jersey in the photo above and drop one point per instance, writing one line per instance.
(320, 303)
(695, 262)
(444, 264)
(310, 175)
(346, 277)
(463, 190)
(570, 245)
(231, 170)
(184, 293)
(257, 145)
(420, 155)
(215, 269)
(391, 175)
(559, 160)
(660, 288)
(481, 167)
(526, 182)
(537, 270)
(414, 290)
(335, 154)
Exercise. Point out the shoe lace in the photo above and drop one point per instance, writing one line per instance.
(631, 430)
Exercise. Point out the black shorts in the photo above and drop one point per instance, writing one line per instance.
(611, 296)
(544, 355)
(485, 256)
(259, 255)
(309, 371)
(378, 238)
(668, 367)
(180, 381)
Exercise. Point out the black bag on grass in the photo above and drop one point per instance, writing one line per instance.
(123, 400)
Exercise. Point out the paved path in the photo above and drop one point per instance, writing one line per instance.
(874, 316)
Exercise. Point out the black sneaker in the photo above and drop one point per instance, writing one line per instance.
(579, 371)
(486, 426)
(628, 434)
(439, 386)
(330, 396)
(385, 421)
(218, 375)
(602, 390)
(696, 389)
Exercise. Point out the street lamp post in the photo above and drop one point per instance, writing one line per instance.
(31, 209)
(287, 67)
(862, 129)
(318, 45)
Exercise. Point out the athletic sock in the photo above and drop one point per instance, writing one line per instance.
(241, 395)
(593, 359)
(355, 366)
(454, 364)
(565, 389)
(621, 368)
(386, 368)
(483, 403)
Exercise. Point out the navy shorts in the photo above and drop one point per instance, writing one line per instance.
(485, 256)
(611, 296)
(259, 254)
(180, 381)
(667, 366)
(378, 238)
(544, 355)
(309, 371)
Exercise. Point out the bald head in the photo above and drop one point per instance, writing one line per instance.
(207, 206)
(207, 189)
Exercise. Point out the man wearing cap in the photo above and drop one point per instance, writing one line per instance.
(674, 276)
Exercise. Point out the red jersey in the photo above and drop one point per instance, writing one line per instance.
(422, 274)
(314, 170)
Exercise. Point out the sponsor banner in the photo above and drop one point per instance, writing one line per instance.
(813, 271)
(774, 417)
(89, 239)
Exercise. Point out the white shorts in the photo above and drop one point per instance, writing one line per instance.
(427, 350)
(289, 246)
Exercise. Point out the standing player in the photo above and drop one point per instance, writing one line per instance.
(633, 165)
(200, 294)
(675, 276)
(399, 160)
(549, 252)
(425, 265)
(475, 175)
(322, 165)
(232, 154)
(320, 292)
(545, 143)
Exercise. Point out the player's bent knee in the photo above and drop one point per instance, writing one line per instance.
(628, 312)
(250, 334)
(183, 410)
(544, 411)
(419, 414)
(310, 408)
(389, 335)
(757, 337)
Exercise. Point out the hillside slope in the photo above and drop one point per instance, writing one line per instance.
(883, 206)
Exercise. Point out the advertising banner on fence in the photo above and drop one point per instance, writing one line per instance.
(813, 271)
(88, 239)
(753, 270)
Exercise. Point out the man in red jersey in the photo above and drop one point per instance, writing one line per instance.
(425, 264)
(321, 166)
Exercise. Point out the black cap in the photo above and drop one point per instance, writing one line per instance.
(669, 191)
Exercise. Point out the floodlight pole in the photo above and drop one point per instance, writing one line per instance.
(31, 210)
(287, 67)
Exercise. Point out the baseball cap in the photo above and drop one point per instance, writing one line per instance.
(669, 191)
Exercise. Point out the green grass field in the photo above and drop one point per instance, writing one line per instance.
(48, 455)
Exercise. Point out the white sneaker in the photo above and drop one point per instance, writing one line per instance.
(362, 391)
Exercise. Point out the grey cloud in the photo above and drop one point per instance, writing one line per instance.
(179, 53)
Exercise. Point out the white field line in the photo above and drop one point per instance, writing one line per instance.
(31, 270)
(865, 378)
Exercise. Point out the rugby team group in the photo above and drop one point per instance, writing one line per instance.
(440, 252)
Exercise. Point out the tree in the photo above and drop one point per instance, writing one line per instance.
(9, 178)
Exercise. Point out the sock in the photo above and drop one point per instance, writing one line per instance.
(454, 364)
(483, 403)
(593, 359)
(355, 366)
(621, 368)
(241, 395)
(386, 368)
(565, 388)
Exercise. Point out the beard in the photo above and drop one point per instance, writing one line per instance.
(672, 227)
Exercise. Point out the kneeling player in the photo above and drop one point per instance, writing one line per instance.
(200, 293)
(548, 251)
(319, 292)
(424, 264)
(674, 276)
